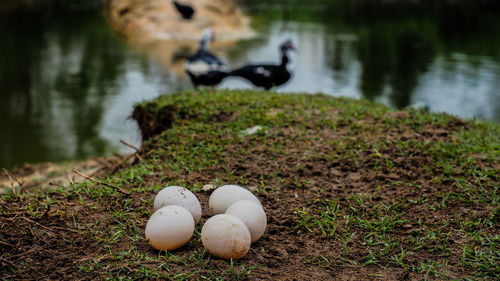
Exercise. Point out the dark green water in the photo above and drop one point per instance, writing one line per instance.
(68, 83)
(444, 55)
(67, 86)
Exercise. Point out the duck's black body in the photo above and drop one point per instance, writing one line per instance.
(264, 76)
(211, 78)
(186, 11)
(267, 76)
(204, 68)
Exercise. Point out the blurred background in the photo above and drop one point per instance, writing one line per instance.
(68, 79)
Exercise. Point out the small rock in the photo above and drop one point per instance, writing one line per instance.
(208, 187)
(251, 131)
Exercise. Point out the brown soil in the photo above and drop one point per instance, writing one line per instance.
(53, 241)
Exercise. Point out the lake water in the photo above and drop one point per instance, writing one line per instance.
(68, 83)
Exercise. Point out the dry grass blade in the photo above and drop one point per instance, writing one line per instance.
(39, 224)
(70, 179)
(129, 145)
(121, 190)
(6, 244)
(7, 262)
(134, 148)
(139, 157)
(12, 178)
(124, 160)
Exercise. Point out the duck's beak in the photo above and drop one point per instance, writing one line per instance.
(212, 35)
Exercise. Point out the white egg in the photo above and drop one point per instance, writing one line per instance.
(180, 196)
(169, 228)
(252, 215)
(226, 195)
(226, 236)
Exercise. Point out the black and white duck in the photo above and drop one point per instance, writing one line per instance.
(204, 68)
(185, 10)
(268, 75)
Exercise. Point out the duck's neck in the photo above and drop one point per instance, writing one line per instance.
(284, 59)
(204, 44)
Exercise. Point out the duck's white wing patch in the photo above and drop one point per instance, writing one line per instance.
(200, 67)
(262, 71)
(197, 67)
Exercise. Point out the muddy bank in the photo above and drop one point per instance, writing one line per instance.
(153, 120)
(146, 21)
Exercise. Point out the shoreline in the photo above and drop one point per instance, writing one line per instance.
(40, 177)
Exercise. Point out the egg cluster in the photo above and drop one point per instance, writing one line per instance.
(238, 219)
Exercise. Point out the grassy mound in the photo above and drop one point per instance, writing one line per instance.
(352, 191)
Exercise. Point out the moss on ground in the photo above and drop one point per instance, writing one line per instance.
(351, 189)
